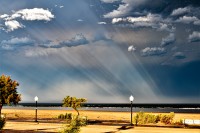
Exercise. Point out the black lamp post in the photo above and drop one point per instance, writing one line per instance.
(36, 99)
(131, 98)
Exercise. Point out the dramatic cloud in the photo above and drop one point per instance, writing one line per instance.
(179, 55)
(4, 16)
(153, 51)
(149, 18)
(194, 37)
(33, 14)
(187, 19)
(166, 27)
(13, 25)
(180, 11)
(154, 21)
(168, 40)
(124, 8)
(131, 48)
(15, 42)
(79, 39)
(11, 21)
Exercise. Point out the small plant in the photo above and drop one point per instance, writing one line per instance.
(74, 126)
(61, 116)
(67, 116)
(167, 119)
(180, 122)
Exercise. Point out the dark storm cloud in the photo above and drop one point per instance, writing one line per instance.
(177, 81)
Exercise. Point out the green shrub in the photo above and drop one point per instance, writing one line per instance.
(167, 119)
(75, 124)
(61, 116)
(2, 121)
(69, 116)
(142, 118)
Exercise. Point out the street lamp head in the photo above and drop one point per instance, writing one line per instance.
(36, 98)
(131, 98)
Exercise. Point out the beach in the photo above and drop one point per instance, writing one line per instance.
(23, 120)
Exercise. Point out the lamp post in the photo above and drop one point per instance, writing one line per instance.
(36, 99)
(131, 98)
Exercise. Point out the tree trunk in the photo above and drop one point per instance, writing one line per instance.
(77, 111)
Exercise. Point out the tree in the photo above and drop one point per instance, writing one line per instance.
(8, 91)
(73, 102)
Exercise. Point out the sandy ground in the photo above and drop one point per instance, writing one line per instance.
(23, 121)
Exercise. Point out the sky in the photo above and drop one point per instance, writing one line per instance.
(102, 50)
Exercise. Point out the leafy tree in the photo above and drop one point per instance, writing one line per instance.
(8, 91)
(73, 102)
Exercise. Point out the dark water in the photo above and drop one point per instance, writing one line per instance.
(114, 109)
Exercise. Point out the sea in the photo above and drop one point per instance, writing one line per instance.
(114, 109)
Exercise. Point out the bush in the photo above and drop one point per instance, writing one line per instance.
(74, 126)
(142, 118)
(69, 116)
(180, 122)
(61, 116)
(2, 121)
(167, 119)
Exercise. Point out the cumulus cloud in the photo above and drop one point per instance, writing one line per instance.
(33, 14)
(13, 25)
(168, 40)
(180, 11)
(153, 51)
(4, 16)
(166, 27)
(124, 8)
(179, 55)
(131, 48)
(79, 39)
(187, 19)
(25, 14)
(16, 42)
(149, 18)
(194, 37)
